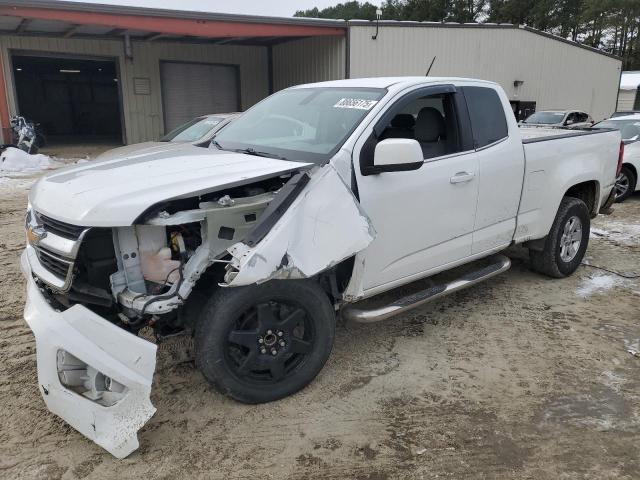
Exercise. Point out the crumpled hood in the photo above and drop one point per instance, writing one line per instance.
(145, 148)
(115, 192)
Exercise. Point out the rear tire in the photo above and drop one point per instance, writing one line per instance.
(261, 343)
(625, 184)
(567, 241)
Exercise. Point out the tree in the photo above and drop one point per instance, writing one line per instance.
(344, 11)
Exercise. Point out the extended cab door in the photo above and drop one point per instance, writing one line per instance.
(424, 217)
(501, 163)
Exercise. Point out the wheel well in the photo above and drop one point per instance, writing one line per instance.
(335, 280)
(632, 168)
(588, 193)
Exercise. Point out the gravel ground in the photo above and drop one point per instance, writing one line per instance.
(519, 377)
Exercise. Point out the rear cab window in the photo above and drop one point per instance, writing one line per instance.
(488, 121)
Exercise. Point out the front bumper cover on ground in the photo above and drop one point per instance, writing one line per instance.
(112, 420)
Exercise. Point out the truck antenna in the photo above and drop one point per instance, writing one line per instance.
(432, 62)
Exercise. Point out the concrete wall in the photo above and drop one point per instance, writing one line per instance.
(556, 75)
(143, 118)
(626, 100)
(308, 60)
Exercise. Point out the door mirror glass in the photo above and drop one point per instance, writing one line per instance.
(398, 154)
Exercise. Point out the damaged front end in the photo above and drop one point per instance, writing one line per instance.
(91, 290)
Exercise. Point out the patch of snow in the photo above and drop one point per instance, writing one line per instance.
(14, 160)
(617, 232)
(8, 184)
(598, 283)
(597, 233)
(611, 380)
(632, 345)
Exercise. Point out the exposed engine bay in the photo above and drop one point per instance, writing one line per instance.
(152, 267)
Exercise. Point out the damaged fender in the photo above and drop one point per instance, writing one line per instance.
(91, 373)
(323, 226)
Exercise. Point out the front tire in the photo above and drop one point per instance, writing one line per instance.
(625, 184)
(261, 343)
(567, 241)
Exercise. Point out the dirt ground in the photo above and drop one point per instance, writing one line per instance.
(519, 377)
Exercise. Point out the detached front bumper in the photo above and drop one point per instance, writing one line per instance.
(91, 373)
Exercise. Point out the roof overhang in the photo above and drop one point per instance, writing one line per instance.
(71, 19)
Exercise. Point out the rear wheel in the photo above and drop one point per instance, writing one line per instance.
(625, 184)
(264, 342)
(567, 241)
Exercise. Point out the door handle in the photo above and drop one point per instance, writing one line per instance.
(462, 177)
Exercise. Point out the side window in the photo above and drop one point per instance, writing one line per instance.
(581, 117)
(431, 120)
(488, 121)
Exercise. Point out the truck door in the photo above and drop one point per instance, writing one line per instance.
(424, 218)
(500, 157)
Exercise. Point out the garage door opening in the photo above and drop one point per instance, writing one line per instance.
(75, 101)
(193, 89)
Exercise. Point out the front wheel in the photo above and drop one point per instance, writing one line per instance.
(567, 241)
(264, 342)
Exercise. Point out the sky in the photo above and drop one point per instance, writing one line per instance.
(277, 8)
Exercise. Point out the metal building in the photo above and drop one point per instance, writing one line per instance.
(629, 95)
(537, 70)
(129, 74)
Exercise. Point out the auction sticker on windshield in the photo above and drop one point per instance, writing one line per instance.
(357, 103)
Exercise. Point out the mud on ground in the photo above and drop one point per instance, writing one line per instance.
(520, 377)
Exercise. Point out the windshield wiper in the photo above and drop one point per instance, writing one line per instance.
(253, 151)
(215, 143)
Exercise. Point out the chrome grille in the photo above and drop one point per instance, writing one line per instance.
(59, 228)
(60, 267)
(55, 246)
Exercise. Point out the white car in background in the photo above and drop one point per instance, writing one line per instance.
(629, 126)
(559, 118)
(198, 132)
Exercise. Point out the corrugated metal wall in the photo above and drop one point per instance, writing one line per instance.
(308, 60)
(143, 113)
(556, 75)
(626, 100)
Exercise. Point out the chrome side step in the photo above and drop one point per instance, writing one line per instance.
(499, 264)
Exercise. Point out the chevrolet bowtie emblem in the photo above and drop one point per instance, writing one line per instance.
(35, 234)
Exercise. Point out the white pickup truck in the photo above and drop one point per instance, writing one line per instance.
(319, 197)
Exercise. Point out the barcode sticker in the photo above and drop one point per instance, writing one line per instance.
(357, 103)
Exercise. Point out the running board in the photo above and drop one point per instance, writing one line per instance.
(499, 264)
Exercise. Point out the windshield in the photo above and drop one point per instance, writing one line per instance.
(547, 118)
(301, 124)
(192, 131)
(629, 129)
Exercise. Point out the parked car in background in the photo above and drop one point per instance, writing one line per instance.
(629, 126)
(559, 118)
(624, 114)
(198, 132)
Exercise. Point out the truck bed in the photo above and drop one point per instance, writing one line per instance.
(557, 159)
(541, 134)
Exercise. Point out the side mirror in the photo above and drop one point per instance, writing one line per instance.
(397, 155)
(568, 122)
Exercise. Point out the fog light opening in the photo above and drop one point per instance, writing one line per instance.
(87, 381)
